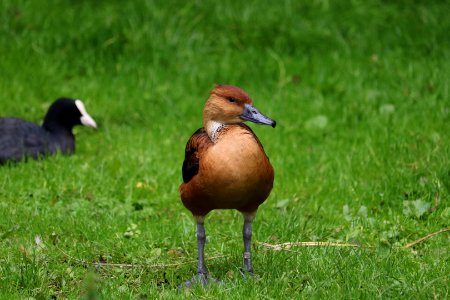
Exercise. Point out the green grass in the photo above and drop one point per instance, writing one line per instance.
(360, 90)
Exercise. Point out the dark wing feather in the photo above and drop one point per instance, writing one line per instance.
(198, 143)
(20, 138)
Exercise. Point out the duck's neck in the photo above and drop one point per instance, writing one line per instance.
(56, 127)
(213, 129)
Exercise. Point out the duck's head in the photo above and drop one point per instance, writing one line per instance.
(230, 105)
(66, 113)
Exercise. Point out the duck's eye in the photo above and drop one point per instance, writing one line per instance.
(231, 99)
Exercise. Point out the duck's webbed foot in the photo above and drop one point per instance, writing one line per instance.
(201, 278)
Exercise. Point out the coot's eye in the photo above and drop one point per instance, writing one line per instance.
(231, 99)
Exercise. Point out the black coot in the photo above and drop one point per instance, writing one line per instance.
(20, 139)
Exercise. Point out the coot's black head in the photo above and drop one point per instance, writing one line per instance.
(65, 113)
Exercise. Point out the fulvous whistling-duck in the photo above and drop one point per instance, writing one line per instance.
(225, 166)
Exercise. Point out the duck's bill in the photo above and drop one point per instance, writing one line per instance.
(253, 115)
(85, 118)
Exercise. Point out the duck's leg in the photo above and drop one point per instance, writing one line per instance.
(247, 237)
(202, 273)
(201, 240)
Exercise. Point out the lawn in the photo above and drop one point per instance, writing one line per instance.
(360, 92)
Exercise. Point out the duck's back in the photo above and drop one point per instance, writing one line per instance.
(20, 138)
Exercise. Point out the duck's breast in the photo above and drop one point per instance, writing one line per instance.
(236, 169)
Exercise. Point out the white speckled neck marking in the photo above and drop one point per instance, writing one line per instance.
(213, 130)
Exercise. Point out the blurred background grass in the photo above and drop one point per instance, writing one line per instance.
(360, 90)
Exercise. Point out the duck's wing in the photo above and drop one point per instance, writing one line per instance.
(197, 144)
(19, 138)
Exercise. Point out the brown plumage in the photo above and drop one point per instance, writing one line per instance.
(225, 165)
(234, 173)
